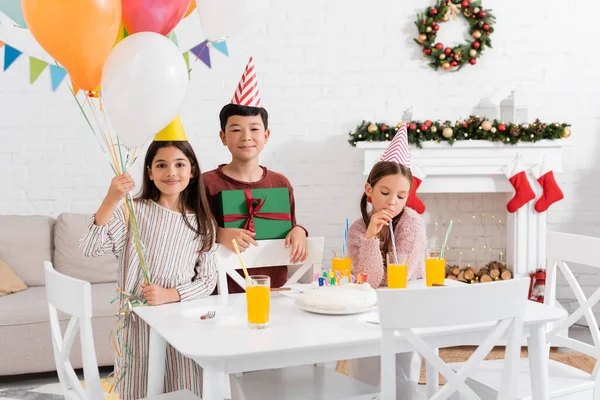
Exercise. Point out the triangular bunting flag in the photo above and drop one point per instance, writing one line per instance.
(186, 57)
(10, 55)
(201, 51)
(1, 43)
(57, 74)
(173, 38)
(221, 47)
(36, 67)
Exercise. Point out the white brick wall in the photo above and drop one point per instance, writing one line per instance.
(323, 66)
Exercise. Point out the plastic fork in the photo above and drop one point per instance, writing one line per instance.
(209, 315)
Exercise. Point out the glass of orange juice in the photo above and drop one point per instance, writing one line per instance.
(258, 299)
(435, 268)
(397, 270)
(340, 263)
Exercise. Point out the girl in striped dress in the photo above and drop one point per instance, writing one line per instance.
(178, 232)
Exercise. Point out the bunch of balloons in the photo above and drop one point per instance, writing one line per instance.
(121, 47)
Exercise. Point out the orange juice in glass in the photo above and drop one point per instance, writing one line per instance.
(435, 268)
(340, 263)
(397, 270)
(258, 299)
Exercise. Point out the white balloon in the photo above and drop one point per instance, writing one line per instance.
(144, 82)
(221, 19)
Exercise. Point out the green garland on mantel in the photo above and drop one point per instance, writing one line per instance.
(474, 128)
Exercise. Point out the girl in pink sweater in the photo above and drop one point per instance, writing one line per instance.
(387, 189)
(369, 238)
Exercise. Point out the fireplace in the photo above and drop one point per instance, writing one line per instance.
(476, 171)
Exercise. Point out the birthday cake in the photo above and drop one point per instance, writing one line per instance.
(339, 298)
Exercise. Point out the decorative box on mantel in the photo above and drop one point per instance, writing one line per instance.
(480, 166)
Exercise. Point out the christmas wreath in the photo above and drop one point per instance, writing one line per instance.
(474, 128)
(481, 26)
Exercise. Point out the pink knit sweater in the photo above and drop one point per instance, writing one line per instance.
(367, 256)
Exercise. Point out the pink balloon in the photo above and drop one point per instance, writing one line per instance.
(160, 16)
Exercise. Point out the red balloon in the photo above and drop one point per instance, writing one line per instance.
(160, 16)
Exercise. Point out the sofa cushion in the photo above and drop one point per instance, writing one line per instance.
(9, 281)
(68, 259)
(31, 305)
(25, 243)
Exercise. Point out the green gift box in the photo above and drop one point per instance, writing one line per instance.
(263, 211)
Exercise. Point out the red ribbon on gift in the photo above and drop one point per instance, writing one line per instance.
(254, 205)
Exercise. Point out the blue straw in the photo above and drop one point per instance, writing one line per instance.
(393, 243)
(345, 244)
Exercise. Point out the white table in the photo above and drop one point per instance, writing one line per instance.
(296, 337)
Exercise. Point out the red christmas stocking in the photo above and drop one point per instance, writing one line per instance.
(523, 191)
(413, 201)
(552, 192)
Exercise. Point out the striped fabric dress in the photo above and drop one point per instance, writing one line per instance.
(174, 262)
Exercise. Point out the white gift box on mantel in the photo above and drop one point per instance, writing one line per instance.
(513, 110)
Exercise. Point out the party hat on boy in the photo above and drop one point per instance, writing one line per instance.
(397, 151)
(173, 132)
(247, 93)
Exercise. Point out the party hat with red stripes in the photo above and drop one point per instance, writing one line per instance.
(397, 151)
(247, 93)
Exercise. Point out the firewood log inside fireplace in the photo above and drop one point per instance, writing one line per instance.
(505, 274)
(484, 275)
(492, 271)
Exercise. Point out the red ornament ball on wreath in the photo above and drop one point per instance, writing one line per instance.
(448, 51)
(413, 127)
(464, 4)
(482, 14)
(473, 61)
(427, 51)
(486, 27)
(502, 127)
(476, 45)
(439, 46)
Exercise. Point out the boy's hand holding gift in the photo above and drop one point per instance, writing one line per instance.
(156, 295)
(297, 240)
(378, 221)
(243, 237)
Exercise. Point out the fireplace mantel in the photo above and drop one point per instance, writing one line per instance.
(474, 166)
(478, 166)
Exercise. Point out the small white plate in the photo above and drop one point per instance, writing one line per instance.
(336, 312)
(194, 314)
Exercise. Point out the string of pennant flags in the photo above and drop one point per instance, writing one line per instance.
(57, 74)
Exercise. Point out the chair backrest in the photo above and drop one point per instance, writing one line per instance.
(404, 310)
(73, 297)
(268, 253)
(562, 249)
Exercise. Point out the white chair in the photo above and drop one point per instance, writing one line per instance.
(268, 253)
(404, 311)
(302, 382)
(74, 297)
(564, 382)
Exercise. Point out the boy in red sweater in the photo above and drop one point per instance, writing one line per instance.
(244, 130)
